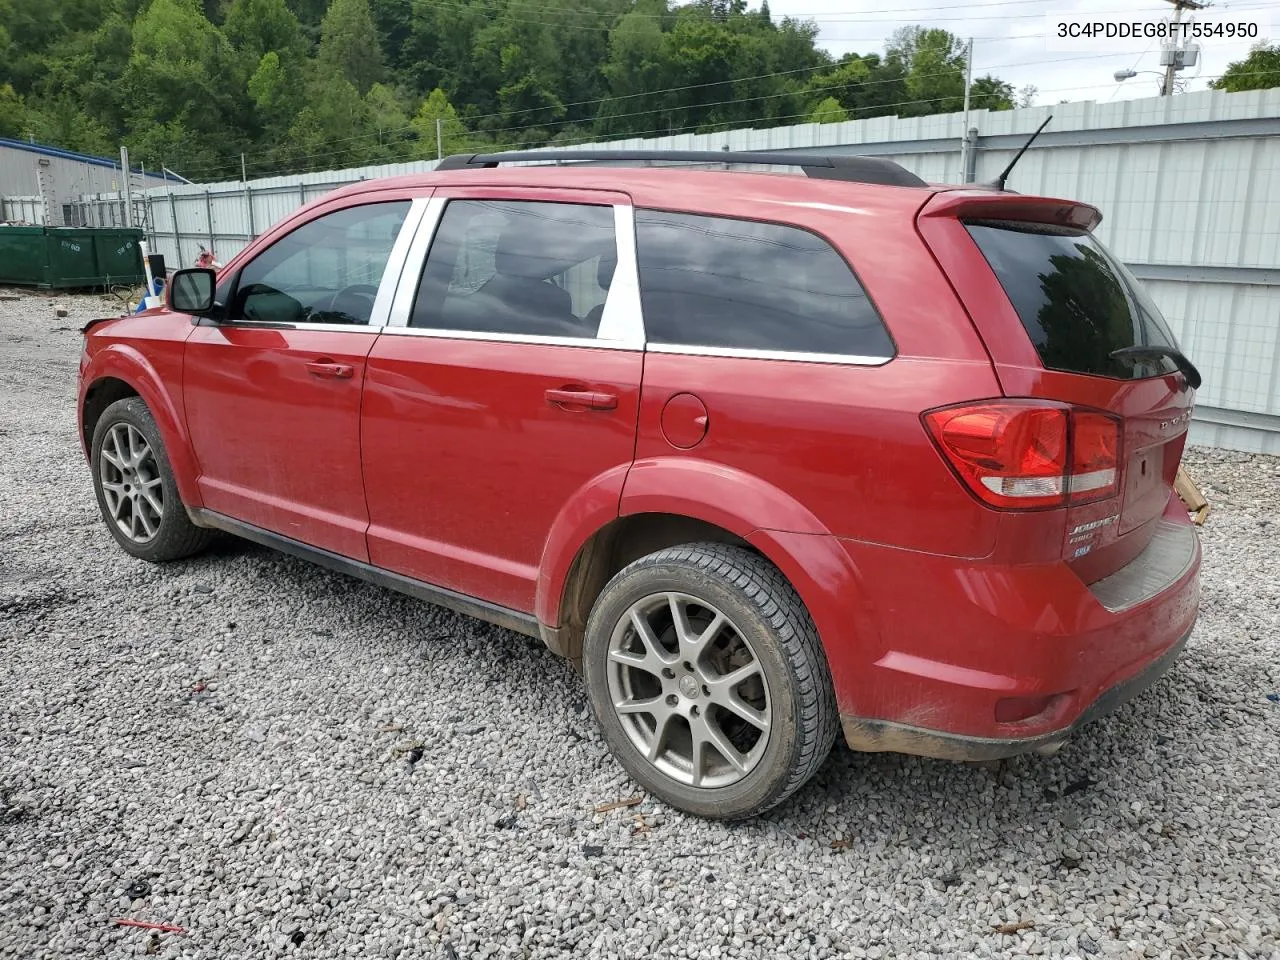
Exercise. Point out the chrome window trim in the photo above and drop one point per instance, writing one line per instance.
(414, 263)
(486, 337)
(395, 264)
(751, 354)
(621, 325)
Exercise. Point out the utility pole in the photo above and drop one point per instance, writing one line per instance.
(124, 179)
(439, 138)
(243, 176)
(1174, 55)
(964, 129)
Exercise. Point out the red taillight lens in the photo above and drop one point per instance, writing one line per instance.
(1095, 456)
(1010, 454)
(1025, 454)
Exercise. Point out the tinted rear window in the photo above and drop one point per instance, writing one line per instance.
(1077, 302)
(742, 284)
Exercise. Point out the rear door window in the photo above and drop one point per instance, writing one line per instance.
(1077, 303)
(745, 285)
(531, 268)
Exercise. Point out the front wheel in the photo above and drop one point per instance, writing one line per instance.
(709, 681)
(136, 491)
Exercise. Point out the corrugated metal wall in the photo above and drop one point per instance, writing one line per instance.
(1189, 187)
(36, 184)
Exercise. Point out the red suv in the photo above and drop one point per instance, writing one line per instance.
(765, 455)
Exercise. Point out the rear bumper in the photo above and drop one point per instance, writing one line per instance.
(971, 660)
(886, 736)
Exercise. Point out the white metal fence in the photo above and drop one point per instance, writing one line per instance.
(1189, 187)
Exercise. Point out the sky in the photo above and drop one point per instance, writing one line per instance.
(1011, 40)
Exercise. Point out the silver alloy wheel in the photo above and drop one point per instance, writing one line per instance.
(689, 690)
(131, 484)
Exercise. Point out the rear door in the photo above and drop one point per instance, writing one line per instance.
(507, 384)
(1053, 306)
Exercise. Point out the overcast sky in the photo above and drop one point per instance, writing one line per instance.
(1010, 40)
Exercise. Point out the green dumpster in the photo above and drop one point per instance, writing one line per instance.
(119, 257)
(67, 257)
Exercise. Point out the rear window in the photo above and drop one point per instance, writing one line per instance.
(742, 284)
(1077, 302)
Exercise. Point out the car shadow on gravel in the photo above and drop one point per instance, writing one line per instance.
(1027, 790)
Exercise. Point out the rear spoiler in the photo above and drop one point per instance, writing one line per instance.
(969, 204)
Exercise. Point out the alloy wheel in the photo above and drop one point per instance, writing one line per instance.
(131, 483)
(689, 690)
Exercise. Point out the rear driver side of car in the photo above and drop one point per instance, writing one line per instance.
(676, 437)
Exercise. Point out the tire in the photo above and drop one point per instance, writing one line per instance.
(735, 609)
(131, 475)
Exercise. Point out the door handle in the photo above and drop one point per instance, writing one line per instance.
(591, 399)
(328, 370)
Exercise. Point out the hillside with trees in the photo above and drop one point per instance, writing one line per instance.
(317, 84)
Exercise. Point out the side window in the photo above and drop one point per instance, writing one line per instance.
(718, 282)
(512, 266)
(326, 271)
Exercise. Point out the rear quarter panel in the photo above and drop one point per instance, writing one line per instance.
(843, 441)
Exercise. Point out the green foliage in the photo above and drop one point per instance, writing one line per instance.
(453, 136)
(322, 84)
(1258, 71)
(13, 115)
(349, 44)
(829, 111)
(933, 61)
(257, 27)
(988, 93)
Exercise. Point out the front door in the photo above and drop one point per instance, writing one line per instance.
(272, 390)
(505, 386)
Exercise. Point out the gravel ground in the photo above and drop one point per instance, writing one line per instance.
(285, 762)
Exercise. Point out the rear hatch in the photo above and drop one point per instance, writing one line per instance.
(1053, 307)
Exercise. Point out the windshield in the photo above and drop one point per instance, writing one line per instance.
(1077, 302)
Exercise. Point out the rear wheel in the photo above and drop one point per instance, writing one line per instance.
(708, 679)
(136, 491)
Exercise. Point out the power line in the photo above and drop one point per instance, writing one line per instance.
(231, 161)
(702, 127)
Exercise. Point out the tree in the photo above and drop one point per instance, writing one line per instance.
(453, 133)
(349, 44)
(934, 63)
(991, 94)
(302, 84)
(257, 27)
(1258, 71)
(389, 117)
(865, 86)
(184, 90)
(635, 64)
(13, 115)
(334, 130)
(1027, 95)
(829, 111)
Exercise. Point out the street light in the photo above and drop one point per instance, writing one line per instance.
(1123, 75)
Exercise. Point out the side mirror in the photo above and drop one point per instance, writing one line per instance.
(191, 291)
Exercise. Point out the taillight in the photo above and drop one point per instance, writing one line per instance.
(1095, 456)
(1028, 454)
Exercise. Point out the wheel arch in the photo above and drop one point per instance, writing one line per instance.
(666, 502)
(119, 371)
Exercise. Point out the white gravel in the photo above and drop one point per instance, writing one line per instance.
(236, 736)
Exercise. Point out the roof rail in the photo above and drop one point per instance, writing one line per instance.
(819, 166)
